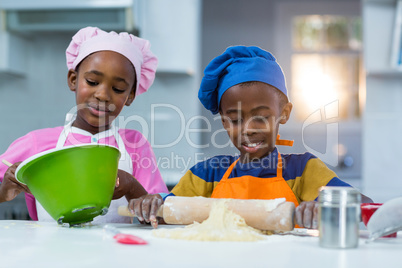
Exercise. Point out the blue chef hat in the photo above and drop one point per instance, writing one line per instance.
(236, 65)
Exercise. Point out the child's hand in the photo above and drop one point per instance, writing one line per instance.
(146, 207)
(127, 185)
(307, 215)
(10, 187)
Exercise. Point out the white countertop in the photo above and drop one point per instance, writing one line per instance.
(43, 244)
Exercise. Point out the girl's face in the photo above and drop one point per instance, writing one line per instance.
(251, 115)
(103, 84)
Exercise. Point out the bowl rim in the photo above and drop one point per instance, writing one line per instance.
(35, 156)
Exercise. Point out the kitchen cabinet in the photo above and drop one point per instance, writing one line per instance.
(382, 121)
(172, 28)
(12, 54)
(381, 23)
(69, 16)
(50, 4)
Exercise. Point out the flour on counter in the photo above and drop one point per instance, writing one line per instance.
(222, 225)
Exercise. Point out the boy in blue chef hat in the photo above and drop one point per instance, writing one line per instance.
(247, 87)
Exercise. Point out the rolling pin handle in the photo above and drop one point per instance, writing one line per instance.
(124, 211)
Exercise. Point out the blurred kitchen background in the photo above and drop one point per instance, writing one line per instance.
(342, 61)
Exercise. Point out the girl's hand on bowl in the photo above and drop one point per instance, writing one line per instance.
(127, 185)
(10, 187)
(146, 208)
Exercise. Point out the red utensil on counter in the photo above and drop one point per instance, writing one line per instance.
(124, 238)
(129, 239)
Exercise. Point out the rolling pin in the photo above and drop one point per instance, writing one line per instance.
(272, 215)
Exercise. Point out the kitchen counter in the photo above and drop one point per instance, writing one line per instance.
(46, 244)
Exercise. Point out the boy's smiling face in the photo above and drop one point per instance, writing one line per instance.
(251, 114)
(103, 84)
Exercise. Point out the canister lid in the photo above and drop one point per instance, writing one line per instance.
(338, 194)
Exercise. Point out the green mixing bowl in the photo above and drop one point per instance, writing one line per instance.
(74, 184)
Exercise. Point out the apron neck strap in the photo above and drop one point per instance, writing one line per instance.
(125, 159)
(279, 166)
(283, 142)
(229, 170)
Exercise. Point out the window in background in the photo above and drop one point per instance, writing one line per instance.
(326, 64)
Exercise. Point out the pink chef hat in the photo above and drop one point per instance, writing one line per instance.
(92, 39)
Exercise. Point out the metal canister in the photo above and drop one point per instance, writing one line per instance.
(339, 217)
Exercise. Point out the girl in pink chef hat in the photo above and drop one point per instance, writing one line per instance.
(106, 71)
